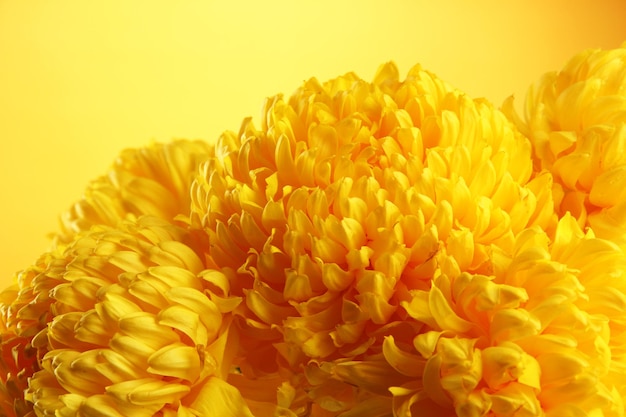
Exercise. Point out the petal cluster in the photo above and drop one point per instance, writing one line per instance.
(385, 248)
(139, 327)
(576, 119)
(151, 181)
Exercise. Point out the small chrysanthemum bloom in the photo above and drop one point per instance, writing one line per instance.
(140, 327)
(576, 120)
(335, 217)
(153, 180)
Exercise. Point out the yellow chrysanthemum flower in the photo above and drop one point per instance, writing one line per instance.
(344, 211)
(140, 327)
(576, 120)
(153, 180)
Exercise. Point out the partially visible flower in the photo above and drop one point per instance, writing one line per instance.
(139, 327)
(24, 312)
(350, 199)
(576, 120)
(152, 180)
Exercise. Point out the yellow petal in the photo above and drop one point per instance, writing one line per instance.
(102, 406)
(266, 311)
(370, 407)
(118, 367)
(335, 278)
(198, 302)
(218, 398)
(506, 363)
(186, 321)
(374, 376)
(143, 288)
(77, 373)
(460, 246)
(145, 328)
(115, 307)
(327, 250)
(432, 381)
(443, 314)
(516, 399)
(148, 392)
(173, 276)
(180, 411)
(187, 258)
(132, 348)
(216, 279)
(561, 368)
(70, 328)
(419, 309)
(176, 360)
(608, 187)
(297, 286)
(79, 294)
(513, 324)
(402, 361)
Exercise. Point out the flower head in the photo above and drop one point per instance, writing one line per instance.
(576, 120)
(139, 326)
(341, 214)
(152, 180)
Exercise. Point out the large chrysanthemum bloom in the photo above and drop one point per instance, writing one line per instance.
(576, 120)
(140, 327)
(343, 209)
(152, 180)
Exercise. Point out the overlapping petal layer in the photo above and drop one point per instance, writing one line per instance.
(140, 327)
(25, 311)
(576, 120)
(153, 180)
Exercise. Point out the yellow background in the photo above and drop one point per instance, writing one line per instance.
(80, 80)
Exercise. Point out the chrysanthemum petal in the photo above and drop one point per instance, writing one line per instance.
(148, 391)
(176, 360)
(218, 398)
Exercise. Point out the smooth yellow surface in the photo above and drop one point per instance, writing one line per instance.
(80, 80)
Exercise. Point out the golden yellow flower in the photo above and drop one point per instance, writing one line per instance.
(347, 216)
(140, 327)
(153, 180)
(576, 120)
